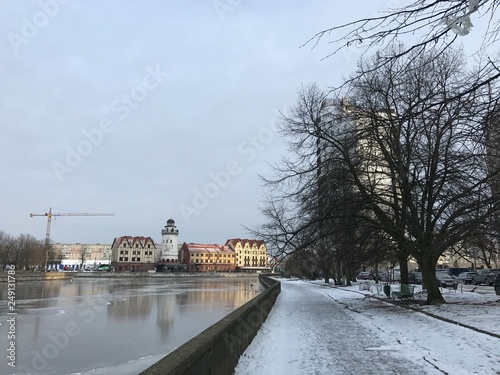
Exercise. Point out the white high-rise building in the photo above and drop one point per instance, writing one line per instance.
(169, 243)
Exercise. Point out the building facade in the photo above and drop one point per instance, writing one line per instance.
(169, 250)
(74, 255)
(250, 255)
(133, 254)
(208, 258)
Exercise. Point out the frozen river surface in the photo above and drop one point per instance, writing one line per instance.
(112, 325)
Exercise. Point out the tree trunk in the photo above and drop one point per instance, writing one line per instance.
(403, 269)
(430, 283)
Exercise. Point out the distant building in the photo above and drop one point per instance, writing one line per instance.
(73, 255)
(208, 258)
(169, 250)
(134, 254)
(250, 255)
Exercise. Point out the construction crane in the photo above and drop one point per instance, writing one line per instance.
(49, 221)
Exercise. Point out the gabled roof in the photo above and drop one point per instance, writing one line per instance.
(205, 248)
(232, 242)
(130, 240)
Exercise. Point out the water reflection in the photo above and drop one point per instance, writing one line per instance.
(113, 321)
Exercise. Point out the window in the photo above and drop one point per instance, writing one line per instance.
(126, 259)
(136, 245)
(124, 245)
(133, 259)
(149, 246)
(121, 259)
(138, 259)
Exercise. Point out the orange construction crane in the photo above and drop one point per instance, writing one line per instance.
(49, 221)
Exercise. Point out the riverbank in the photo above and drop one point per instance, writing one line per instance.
(52, 276)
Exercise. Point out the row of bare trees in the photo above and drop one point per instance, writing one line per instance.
(401, 168)
(25, 252)
(407, 165)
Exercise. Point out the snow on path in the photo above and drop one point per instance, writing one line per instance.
(318, 330)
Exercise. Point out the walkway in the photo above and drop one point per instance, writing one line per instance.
(315, 329)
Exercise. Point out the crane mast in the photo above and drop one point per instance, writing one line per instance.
(49, 222)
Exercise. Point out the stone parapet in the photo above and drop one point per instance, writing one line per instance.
(218, 349)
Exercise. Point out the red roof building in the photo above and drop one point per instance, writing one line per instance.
(207, 258)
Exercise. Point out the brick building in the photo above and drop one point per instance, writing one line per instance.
(207, 258)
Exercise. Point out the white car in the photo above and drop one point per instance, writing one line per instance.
(444, 279)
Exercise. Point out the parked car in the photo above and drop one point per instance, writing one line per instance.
(378, 276)
(444, 279)
(104, 268)
(486, 276)
(466, 277)
(363, 275)
(415, 277)
(497, 285)
(455, 271)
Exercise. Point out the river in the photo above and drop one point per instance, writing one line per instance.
(111, 325)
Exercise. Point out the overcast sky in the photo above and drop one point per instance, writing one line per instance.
(152, 110)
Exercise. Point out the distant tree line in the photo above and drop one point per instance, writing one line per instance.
(25, 252)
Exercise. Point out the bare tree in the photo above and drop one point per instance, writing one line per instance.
(311, 206)
(437, 24)
(7, 244)
(433, 25)
(421, 164)
(83, 255)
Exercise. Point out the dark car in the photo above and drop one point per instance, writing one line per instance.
(363, 275)
(497, 285)
(455, 271)
(378, 275)
(466, 277)
(486, 276)
(415, 277)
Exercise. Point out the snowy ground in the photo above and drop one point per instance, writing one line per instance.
(318, 329)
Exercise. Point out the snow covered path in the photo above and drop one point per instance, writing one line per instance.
(314, 329)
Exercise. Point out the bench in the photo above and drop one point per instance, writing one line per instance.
(406, 292)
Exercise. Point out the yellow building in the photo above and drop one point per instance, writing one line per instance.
(209, 258)
(251, 255)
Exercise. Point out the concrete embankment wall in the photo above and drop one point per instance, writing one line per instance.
(35, 276)
(217, 349)
(49, 276)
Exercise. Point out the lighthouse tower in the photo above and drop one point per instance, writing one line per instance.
(169, 241)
